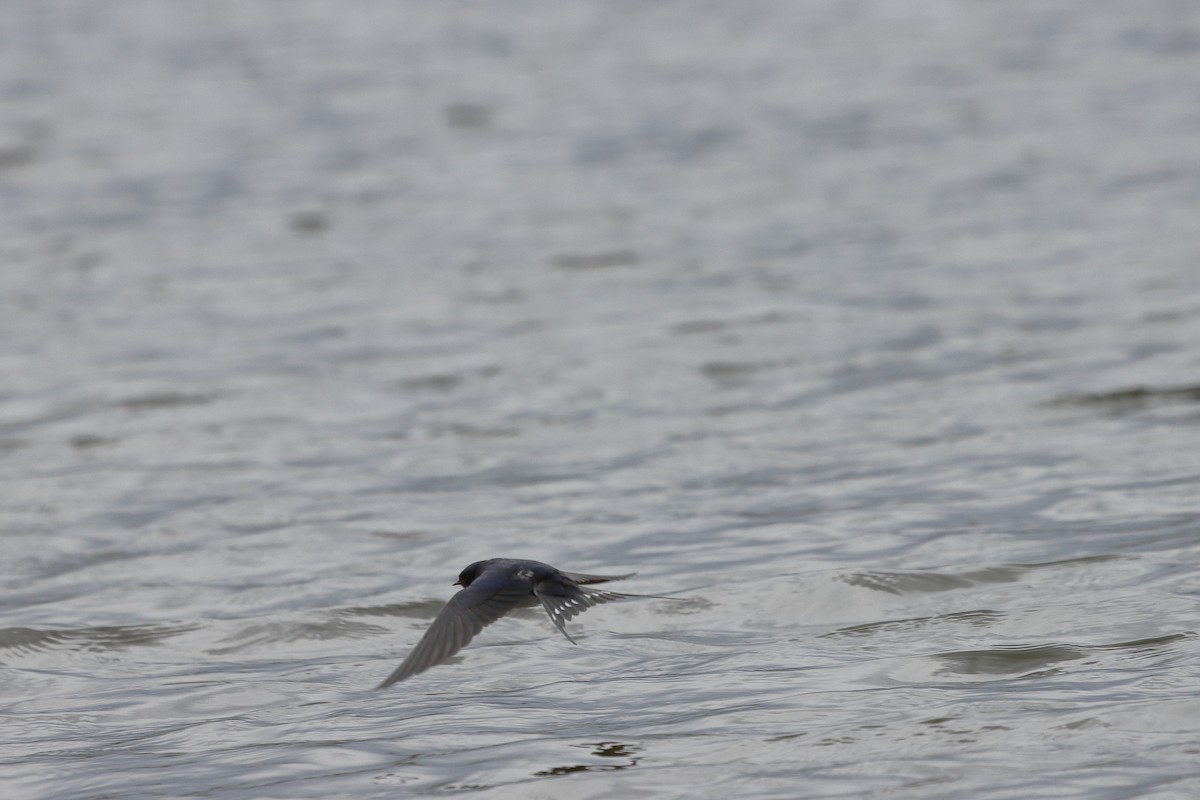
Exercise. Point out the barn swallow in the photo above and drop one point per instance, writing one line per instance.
(490, 590)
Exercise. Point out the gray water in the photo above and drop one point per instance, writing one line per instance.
(870, 328)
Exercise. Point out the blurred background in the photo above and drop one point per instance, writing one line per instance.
(875, 319)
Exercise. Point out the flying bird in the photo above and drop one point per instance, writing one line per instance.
(490, 590)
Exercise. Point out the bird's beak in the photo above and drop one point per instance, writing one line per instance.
(457, 583)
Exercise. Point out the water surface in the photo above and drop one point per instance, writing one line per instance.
(870, 328)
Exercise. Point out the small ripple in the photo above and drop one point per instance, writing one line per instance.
(1008, 660)
(906, 582)
(108, 637)
(978, 618)
(422, 609)
(1149, 644)
(735, 373)
(159, 400)
(1124, 401)
(258, 634)
(598, 260)
(894, 582)
(707, 325)
(1026, 660)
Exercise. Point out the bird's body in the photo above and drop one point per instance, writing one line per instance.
(490, 590)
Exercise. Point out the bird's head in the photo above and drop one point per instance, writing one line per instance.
(468, 575)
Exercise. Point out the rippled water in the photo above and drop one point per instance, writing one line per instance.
(870, 328)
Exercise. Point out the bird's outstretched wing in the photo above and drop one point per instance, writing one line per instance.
(564, 601)
(480, 604)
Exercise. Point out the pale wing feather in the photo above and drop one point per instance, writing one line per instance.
(563, 606)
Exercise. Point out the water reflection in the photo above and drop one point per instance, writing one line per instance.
(625, 754)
